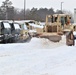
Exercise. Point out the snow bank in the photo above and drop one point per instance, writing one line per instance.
(39, 57)
(35, 25)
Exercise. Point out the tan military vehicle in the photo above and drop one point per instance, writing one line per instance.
(55, 25)
(58, 23)
(24, 34)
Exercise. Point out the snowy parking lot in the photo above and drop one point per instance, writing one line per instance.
(38, 57)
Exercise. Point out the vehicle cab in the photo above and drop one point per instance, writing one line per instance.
(5, 32)
(15, 29)
(24, 32)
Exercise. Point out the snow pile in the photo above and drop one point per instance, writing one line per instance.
(32, 31)
(35, 25)
(39, 57)
(74, 33)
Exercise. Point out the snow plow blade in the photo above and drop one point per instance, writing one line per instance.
(51, 36)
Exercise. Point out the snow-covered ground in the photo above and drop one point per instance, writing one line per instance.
(38, 57)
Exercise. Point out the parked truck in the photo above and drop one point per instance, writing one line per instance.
(15, 30)
(5, 32)
(24, 32)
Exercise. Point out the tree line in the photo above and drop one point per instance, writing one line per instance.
(7, 11)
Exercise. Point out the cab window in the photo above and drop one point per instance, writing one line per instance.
(62, 21)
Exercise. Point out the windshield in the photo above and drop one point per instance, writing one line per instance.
(62, 20)
(6, 25)
(16, 26)
(25, 27)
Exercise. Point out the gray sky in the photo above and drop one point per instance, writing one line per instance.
(56, 4)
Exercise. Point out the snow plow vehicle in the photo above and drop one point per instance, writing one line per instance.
(56, 25)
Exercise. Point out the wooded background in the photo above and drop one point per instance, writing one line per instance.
(7, 11)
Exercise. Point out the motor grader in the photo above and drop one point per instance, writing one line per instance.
(56, 25)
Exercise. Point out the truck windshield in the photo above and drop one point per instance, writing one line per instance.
(25, 27)
(6, 25)
(16, 26)
(62, 21)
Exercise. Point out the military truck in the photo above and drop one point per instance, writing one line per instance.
(15, 30)
(5, 32)
(56, 25)
(24, 32)
(70, 38)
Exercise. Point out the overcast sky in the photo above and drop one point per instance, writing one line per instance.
(56, 4)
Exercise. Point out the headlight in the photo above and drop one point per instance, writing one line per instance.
(10, 34)
(16, 34)
(24, 35)
(1, 35)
